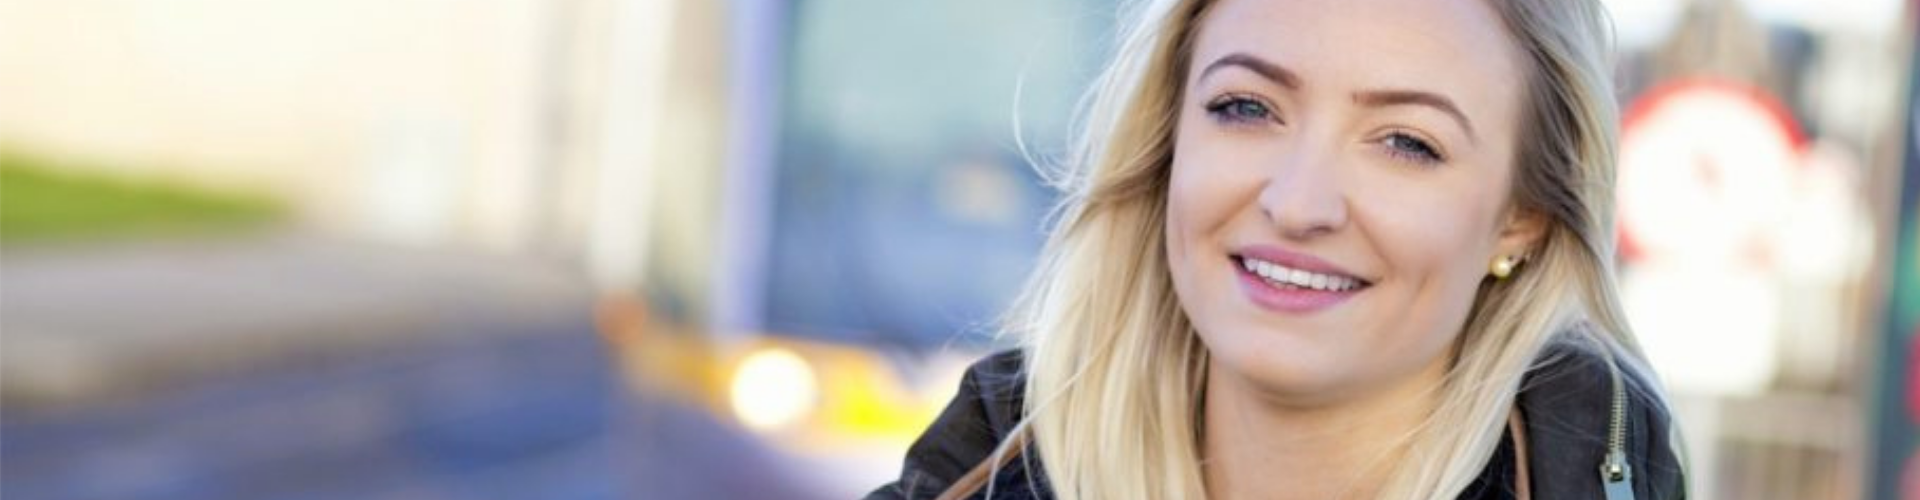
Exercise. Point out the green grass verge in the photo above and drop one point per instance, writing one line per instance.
(42, 200)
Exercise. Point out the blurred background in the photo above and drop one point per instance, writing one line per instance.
(611, 249)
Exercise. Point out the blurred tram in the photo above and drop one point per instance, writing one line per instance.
(829, 204)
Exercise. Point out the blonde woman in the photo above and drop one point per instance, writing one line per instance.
(1325, 249)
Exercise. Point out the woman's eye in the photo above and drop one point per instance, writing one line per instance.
(1239, 110)
(1412, 148)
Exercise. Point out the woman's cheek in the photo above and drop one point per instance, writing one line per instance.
(1196, 195)
(1435, 244)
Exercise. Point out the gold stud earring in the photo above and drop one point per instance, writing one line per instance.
(1502, 267)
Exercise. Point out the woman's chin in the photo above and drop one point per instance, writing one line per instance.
(1287, 372)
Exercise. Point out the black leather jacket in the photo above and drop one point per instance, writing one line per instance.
(1566, 402)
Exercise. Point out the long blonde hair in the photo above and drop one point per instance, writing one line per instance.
(1114, 369)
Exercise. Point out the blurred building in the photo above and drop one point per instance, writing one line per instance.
(1757, 141)
(515, 125)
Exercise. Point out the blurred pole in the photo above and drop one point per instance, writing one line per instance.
(756, 32)
(1896, 396)
(553, 128)
(641, 33)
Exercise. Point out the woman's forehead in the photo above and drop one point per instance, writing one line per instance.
(1456, 48)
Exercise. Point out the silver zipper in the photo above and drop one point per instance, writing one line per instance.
(1616, 477)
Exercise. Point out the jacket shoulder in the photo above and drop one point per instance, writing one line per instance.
(984, 409)
(1567, 402)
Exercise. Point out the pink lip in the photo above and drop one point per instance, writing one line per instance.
(1286, 299)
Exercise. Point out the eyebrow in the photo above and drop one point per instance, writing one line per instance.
(1370, 98)
(1259, 66)
(1398, 97)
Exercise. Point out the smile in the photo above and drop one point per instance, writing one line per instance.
(1283, 276)
(1288, 289)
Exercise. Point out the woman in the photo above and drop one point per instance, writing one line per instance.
(1326, 249)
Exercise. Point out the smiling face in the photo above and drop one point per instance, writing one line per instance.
(1339, 186)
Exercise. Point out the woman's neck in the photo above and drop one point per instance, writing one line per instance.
(1258, 446)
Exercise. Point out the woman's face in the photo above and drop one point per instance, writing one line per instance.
(1339, 186)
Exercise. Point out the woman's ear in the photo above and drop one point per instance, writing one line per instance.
(1520, 233)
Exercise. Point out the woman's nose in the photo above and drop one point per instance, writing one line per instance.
(1303, 196)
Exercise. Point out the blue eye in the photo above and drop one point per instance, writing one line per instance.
(1239, 109)
(1411, 148)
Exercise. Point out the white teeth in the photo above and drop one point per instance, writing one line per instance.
(1285, 275)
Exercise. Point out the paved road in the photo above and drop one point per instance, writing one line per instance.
(507, 415)
(297, 368)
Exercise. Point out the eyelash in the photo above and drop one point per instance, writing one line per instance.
(1412, 149)
(1232, 109)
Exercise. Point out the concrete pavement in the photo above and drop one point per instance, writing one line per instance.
(293, 367)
